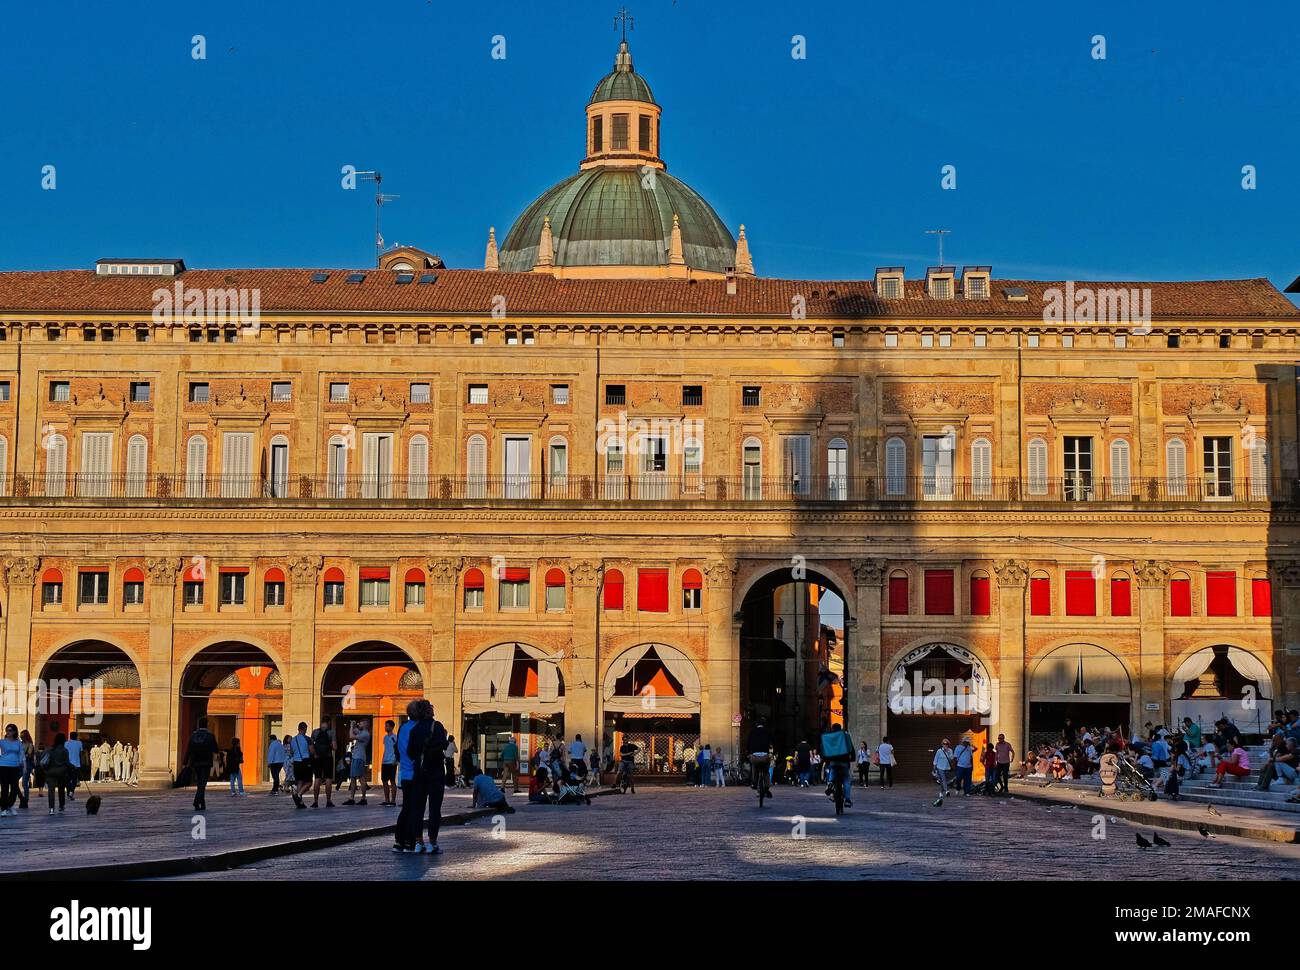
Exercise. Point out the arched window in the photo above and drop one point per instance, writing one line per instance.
(1259, 468)
(137, 466)
(56, 465)
(1180, 594)
(554, 590)
(1037, 455)
(474, 589)
(895, 467)
(692, 590)
(1121, 595)
(981, 468)
(417, 467)
(1040, 594)
(414, 589)
(333, 586)
(752, 466)
(837, 470)
(278, 467)
(981, 599)
(557, 464)
(1176, 468)
(1121, 484)
(613, 589)
(337, 470)
(476, 466)
(1261, 595)
(899, 602)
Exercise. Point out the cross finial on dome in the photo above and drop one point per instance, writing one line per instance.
(625, 21)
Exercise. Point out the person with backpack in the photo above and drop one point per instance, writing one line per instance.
(422, 745)
(837, 754)
(235, 765)
(322, 753)
(202, 749)
(57, 767)
(300, 762)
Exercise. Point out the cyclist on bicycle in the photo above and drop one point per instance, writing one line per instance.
(760, 756)
(837, 752)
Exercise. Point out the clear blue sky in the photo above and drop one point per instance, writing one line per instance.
(1067, 167)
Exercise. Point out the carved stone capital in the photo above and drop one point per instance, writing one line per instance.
(720, 572)
(21, 570)
(584, 572)
(869, 572)
(1011, 572)
(163, 570)
(1151, 572)
(443, 571)
(304, 570)
(1285, 572)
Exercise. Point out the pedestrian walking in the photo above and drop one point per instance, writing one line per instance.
(989, 759)
(887, 761)
(594, 762)
(510, 762)
(627, 762)
(719, 768)
(388, 767)
(322, 752)
(863, 758)
(76, 750)
(300, 756)
(450, 758)
(29, 765)
(11, 769)
(276, 756)
(235, 765)
(58, 768)
(965, 766)
(199, 755)
(944, 763)
(1005, 753)
(359, 767)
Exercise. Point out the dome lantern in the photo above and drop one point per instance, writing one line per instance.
(623, 118)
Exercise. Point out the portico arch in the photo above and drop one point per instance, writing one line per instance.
(511, 690)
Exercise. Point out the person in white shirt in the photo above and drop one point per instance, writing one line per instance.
(578, 749)
(276, 756)
(357, 770)
(449, 754)
(885, 754)
(74, 748)
(388, 767)
(944, 762)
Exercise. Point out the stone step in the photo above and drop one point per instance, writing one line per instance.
(1239, 796)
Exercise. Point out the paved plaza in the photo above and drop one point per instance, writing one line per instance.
(679, 833)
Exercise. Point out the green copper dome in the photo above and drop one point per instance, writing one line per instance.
(605, 217)
(622, 83)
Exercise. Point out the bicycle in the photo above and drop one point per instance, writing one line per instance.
(838, 772)
(758, 764)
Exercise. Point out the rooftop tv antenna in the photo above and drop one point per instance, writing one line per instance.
(380, 201)
(940, 233)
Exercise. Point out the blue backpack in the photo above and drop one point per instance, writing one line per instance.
(837, 746)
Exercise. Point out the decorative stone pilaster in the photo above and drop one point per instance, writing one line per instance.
(1152, 578)
(1285, 577)
(20, 578)
(720, 676)
(301, 699)
(582, 688)
(441, 678)
(160, 735)
(864, 711)
(1013, 576)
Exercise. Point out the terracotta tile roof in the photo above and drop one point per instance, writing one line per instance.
(472, 292)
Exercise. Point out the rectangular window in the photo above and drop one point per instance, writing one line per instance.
(374, 592)
(936, 466)
(1261, 597)
(198, 392)
(555, 598)
(478, 394)
(339, 393)
(60, 390)
(891, 288)
(981, 340)
(891, 340)
(1173, 341)
(796, 462)
(516, 590)
(559, 393)
(692, 395)
(1217, 465)
(474, 597)
(232, 588)
(597, 135)
(52, 594)
(837, 338)
(643, 132)
(945, 340)
(1078, 468)
(281, 391)
(193, 593)
(1032, 340)
(274, 595)
(977, 288)
(619, 133)
(898, 605)
(476, 337)
(927, 341)
(981, 602)
(1121, 596)
(142, 335)
(140, 392)
(941, 289)
(1121, 341)
(938, 592)
(4, 390)
(1040, 596)
(512, 336)
(414, 596)
(692, 598)
(333, 594)
(1180, 597)
(1080, 593)
(419, 393)
(133, 594)
(88, 334)
(652, 590)
(92, 588)
(616, 394)
(751, 397)
(1221, 594)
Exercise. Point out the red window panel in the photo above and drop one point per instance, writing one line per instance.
(898, 595)
(194, 574)
(274, 575)
(133, 575)
(652, 590)
(614, 590)
(1040, 596)
(555, 577)
(334, 575)
(415, 576)
(691, 579)
(1261, 597)
(1221, 594)
(52, 576)
(1180, 597)
(1121, 596)
(980, 597)
(516, 574)
(938, 592)
(1080, 593)
(374, 572)
(474, 579)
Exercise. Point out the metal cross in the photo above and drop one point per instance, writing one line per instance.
(627, 21)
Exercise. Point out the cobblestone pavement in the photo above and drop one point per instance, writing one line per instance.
(683, 833)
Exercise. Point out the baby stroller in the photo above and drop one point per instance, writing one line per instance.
(572, 793)
(1130, 783)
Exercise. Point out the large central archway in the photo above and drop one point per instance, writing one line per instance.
(91, 687)
(792, 653)
(511, 690)
(936, 690)
(1077, 685)
(651, 696)
(1223, 681)
(238, 688)
(367, 684)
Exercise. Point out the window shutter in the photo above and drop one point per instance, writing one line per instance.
(56, 466)
(1119, 468)
(981, 467)
(652, 590)
(1080, 593)
(1038, 467)
(1121, 599)
(196, 466)
(938, 592)
(96, 462)
(476, 466)
(1259, 469)
(1261, 597)
(898, 604)
(1040, 596)
(980, 600)
(1221, 594)
(1176, 467)
(1180, 597)
(417, 467)
(4, 466)
(236, 464)
(137, 465)
(895, 467)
